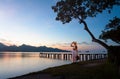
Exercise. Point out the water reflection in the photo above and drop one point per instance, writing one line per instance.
(18, 54)
(17, 63)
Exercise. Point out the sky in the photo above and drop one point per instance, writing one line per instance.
(32, 22)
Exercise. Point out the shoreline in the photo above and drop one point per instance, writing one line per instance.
(73, 71)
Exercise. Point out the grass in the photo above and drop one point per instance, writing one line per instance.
(104, 70)
(97, 69)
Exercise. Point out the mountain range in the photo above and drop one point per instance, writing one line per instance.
(28, 48)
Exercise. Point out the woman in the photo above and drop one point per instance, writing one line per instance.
(74, 52)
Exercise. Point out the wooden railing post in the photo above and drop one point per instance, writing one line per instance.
(67, 56)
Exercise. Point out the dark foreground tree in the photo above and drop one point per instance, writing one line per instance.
(67, 10)
(112, 31)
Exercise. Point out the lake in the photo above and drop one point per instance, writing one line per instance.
(14, 64)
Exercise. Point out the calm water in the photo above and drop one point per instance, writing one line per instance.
(18, 63)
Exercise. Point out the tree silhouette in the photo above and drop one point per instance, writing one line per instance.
(81, 9)
(67, 10)
(112, 31)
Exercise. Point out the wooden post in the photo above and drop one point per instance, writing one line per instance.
(86, 57)
(67, 56)
(83, 57)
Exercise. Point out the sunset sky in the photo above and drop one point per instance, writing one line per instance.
(32, 22)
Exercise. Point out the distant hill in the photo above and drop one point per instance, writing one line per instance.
(28, 48)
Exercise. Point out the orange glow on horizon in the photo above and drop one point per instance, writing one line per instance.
(80, 47)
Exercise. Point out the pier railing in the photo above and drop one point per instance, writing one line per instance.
(68, 56)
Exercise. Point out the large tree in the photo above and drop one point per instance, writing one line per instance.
(81, 9)
(67, 10)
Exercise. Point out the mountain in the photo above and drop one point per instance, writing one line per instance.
(28, 48)
(2, 45)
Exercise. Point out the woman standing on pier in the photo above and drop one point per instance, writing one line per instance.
(74, 52)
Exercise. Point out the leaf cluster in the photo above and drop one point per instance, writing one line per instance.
(112, 30)
(72, 9)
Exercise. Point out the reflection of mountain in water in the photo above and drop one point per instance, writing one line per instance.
(28, 48)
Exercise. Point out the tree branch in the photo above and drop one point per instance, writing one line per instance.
(92, 36)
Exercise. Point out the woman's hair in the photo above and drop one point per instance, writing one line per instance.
(75, 43)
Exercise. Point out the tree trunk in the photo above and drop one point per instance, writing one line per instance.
(114, 56)
(92, 36)
(119, 70)
(113, 51)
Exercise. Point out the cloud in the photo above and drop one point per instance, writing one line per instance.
(82, 46)
(84, 43)
(6, 42)
(60, 44)
(68, 44)
(81, 43)
(2, 39)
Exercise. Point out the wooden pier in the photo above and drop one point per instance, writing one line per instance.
(68, 56)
